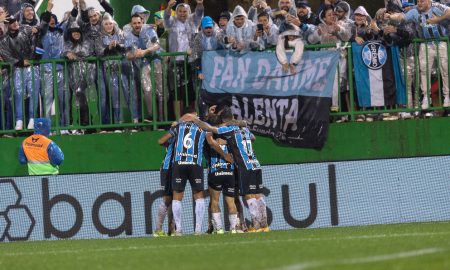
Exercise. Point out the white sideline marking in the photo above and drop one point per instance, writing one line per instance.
(156, 246)
(370, 259)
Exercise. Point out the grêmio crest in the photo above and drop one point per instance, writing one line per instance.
(374, 55)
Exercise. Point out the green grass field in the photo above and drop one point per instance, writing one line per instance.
(403, 246)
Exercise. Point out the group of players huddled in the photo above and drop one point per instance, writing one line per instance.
(233, 169)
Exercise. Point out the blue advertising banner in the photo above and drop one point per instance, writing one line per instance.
(298, 196)
(293, 108)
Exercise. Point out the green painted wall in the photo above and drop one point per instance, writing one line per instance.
(349, 141)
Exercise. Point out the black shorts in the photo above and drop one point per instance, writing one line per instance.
(182, 173)
(250, 181)
(222, 181)
(166, 182)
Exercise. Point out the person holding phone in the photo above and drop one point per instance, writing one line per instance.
(266, 34)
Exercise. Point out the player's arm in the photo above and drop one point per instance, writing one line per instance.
(164, 139)
(239, 123)
(203, 125)
(216, 146)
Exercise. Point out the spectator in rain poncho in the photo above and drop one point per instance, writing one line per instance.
(17, 48)
(81, 82)
(53, 47)
(182, 29)
(114, 45)
(90, 23)
(240, 31)
(332, 31)
(290, 38)
(267, 36)
(14, 6)
(258, 7)
(286, 9)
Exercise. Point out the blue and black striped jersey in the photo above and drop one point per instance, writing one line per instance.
(240, 142)
(167, 161)
(216, 161)
(188, 144)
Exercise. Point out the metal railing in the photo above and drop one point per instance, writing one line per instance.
(114, 93)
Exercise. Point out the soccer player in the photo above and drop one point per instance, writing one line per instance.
(166, 185)
(249, 169)
(220, 178)
(187, 166)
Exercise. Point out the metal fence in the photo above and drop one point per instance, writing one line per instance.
(113, 93)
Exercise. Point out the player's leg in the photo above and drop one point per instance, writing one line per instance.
(165, 204)
(248, 190)
(262, 208)
(215, 210)
(197, 185)
(228, 193)
(178, 184)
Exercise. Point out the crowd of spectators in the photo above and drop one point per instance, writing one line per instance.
(96, 88)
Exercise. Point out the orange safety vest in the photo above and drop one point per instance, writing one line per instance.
(35, 149)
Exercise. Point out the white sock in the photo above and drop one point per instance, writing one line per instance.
(253, 208)
(233, 221)
(217, 221)
(176, 209)
(162, 212)
(199, 213)
(263, 212)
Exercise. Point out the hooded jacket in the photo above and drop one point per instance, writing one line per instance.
(279, 19)
(21, 18)
(175, 27)
(243, 34)
(17, 47)
(93, 32)
(14, 6)
(116, 36)
(52, 41)
(283, 44)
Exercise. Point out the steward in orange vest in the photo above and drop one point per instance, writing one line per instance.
(40, 153)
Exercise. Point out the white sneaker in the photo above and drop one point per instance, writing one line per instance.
(30, 124)
(135, 121)
(64, 132)
(429, 115)
(425, 104)
(19, 125)
(446, 101)
(117, 131)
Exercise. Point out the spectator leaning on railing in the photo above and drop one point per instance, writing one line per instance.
(15, 48)
(240, 31)
(53, 46)
(332, 31)
(266, 33)
(76, 49)
(208, 39)
(429, 18)
(90, 23)
(182, 29)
